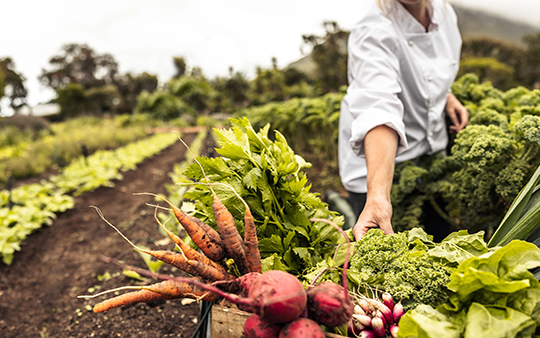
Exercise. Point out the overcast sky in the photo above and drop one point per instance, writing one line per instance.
(144, 35)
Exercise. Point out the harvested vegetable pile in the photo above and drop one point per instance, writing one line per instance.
(229, 266)
(411, 265)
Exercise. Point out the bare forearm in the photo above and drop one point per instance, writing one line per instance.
(380, 146)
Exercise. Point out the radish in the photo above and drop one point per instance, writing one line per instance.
(377, 325)
(366, 334)
(398, 312)
(388, 300)
(302, 328)
(363, 319)
(394, 331)
(254, 327)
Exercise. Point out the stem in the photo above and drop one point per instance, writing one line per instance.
(320, 274)
(441, 213)
(345, 265)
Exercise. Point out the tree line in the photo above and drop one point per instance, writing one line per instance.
(89, 83)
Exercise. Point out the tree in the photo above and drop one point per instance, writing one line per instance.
(130, 86)
(2, 84)
(499, 74)
(268, 85)
(13, 84)
(80, 64)
(531, 60)
(329, 53)
(196, 92)
(180, 65)
(72, 100)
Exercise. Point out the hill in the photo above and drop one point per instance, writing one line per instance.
(477, 23)
(472, 23)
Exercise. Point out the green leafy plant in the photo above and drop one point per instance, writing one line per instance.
(269, 176)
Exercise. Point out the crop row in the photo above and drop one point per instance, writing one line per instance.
(27, 208)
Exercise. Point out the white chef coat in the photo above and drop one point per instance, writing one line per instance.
(400, 76)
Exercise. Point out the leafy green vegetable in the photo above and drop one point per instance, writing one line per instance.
(490, 162)
(493, 295)
(270, 177)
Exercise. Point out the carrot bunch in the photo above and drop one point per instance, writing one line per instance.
(207, 266)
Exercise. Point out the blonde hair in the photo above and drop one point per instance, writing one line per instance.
(386, 5)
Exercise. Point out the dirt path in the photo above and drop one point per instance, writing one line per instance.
(38, 292)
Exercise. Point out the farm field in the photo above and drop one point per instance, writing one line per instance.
(38, 292)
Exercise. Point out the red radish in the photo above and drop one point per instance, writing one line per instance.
(377, 325)
(355, 327)
(385, 311)
(398, 312)
(363, 319)
(366, 334)
(254, 327)
(394, 331)
(302, 328)
(358, 310)
(388, 300)
(327, 305)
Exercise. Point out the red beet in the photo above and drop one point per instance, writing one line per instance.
(302, 328)
(254, 327)
(328, 304)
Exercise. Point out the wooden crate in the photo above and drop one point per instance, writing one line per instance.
(229, 323)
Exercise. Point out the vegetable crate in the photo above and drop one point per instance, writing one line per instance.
(229, 323)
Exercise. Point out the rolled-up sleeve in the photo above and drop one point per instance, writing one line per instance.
(372, 96)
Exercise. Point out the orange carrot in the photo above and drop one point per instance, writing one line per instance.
(129, 299)
(188, 251)
(253, 256)
(170, 257)
(208, 271)
(178, 289)
(206, 238)
(232, 241)
(251, 242)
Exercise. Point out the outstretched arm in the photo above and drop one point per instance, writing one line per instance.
(380, 145)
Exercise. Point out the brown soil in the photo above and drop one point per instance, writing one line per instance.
(38, 292)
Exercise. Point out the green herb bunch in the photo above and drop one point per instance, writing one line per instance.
(269, 176)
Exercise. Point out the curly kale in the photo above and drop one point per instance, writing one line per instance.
(511, 179)
(482, 145)
(394, 264)
(490, 161)
(528, 129)
(487, 116)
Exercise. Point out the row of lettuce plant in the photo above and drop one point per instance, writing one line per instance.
(29, 207)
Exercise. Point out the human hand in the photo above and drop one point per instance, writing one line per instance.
(457, 113)
(377, 213)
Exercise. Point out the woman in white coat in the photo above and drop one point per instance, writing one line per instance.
(403, 59)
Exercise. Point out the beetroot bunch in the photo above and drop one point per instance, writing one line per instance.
(326, 304)
(373, 318)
